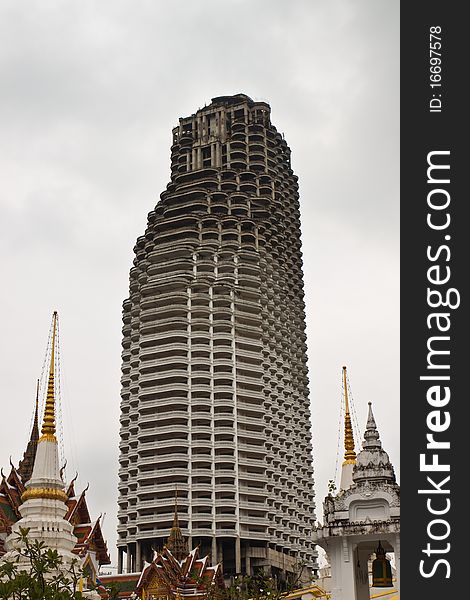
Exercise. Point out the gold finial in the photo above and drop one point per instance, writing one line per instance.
(48, 424)
(349, 454)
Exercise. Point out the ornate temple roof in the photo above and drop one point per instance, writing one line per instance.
(25, 468)
(173, 573)
(177, 571)
(188, 578)
(88, 533)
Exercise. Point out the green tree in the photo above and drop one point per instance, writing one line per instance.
(113, 590)
(255, 587)
(44, 578)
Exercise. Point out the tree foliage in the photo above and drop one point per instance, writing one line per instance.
(38, 573)
(256, 587)
(43, 578)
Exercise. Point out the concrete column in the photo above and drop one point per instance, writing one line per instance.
(128, 559)
(119, 560)
(238, 556)
(362, 575)
(342, 570)
(396, 548)
(199, 128)
(222, 125)
(213, 155)
(190, 542)
(348, 582)
(138, 556)
(248, 561)
(214, 558)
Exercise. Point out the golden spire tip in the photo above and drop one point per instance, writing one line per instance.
(48, 425)
(349, 454)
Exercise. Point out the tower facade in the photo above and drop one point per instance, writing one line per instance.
(214, 376)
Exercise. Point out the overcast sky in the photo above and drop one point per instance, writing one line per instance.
(89, 93)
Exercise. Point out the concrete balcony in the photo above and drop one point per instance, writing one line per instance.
(231, 533)
(160, 472)
(258, 505)
(198, 502)
(205, 487)
(250, 534)
(145, 532)
(161, 487)
(161, 416)
(143, 446)
(252, 491)
(201, 531)
(205, 472)
(201, 444)
(161, 518)
(170, 502)
(224, 473)
(227, 518)
(162, 458)
(156, 431)
(251, 520)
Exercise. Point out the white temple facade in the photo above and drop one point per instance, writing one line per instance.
(361, 515)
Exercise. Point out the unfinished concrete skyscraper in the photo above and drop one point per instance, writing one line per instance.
(214, 387)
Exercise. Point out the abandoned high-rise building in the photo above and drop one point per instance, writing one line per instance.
(214, 387)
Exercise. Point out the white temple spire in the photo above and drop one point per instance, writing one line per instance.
(44, 500)
(373, 463)
(371, 434)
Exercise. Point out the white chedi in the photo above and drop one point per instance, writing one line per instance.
(43, 505)
(43, 509)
